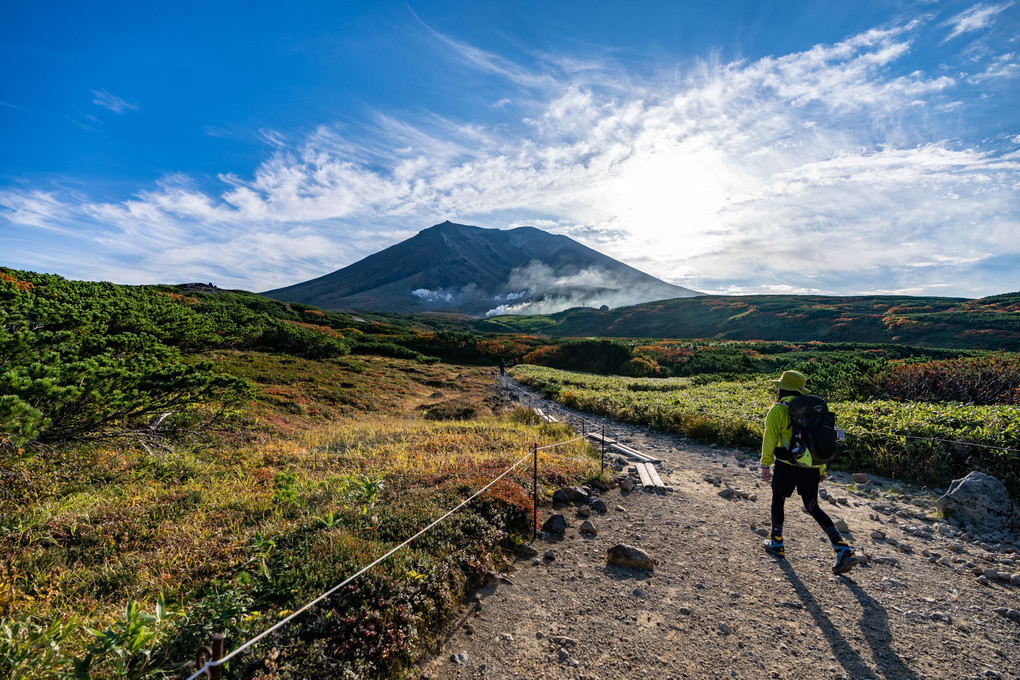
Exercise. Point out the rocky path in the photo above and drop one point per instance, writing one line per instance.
(717, 607)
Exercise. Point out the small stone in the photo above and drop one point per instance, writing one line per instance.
(550, 554)
(841, 525)
(861, 478)
(599, 505)
(527, 550)
(459, 659)
(724, 628)
(620, 508)
(762, 531)
(588, 528)
(878, 535)
(562, 641)
(629, 556)
(584, 511)
(726, 493)
(1015, 579)
(627, 484)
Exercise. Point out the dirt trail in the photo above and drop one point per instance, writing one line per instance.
(717, 606)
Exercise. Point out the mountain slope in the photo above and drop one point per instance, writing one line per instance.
(985, 323)
(475, 271)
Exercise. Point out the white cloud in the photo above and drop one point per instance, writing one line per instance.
(112, 102)
(826, 170)
(974, 19)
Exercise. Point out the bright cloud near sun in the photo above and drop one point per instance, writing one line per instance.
(827, 170)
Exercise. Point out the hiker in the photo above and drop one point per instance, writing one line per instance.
(795, 470)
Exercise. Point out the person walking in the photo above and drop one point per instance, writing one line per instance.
(795, 471)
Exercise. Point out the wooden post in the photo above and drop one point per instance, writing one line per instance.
(216, 672)
(603, 448)
(534, 491)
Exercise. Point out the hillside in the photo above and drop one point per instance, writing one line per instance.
(179, 461)
(474, 271)
(986, 323)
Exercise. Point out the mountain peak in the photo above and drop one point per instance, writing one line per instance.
(481, 272)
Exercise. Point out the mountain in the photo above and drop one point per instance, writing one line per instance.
(481, 272)
(986, 323)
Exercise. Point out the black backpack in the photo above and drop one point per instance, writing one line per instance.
(814, 428)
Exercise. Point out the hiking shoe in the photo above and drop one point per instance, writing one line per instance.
(774, 546)
(845, 559)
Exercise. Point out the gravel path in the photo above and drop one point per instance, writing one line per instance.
(716, 606)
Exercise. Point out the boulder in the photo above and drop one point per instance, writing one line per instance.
(629, 556)
(564, 495)
(981, 500)
(556, 524)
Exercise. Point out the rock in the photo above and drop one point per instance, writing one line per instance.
(981, 500)
(1009, 613)
(627, 484)
(584, 511)
(459, 659)
(841, 525)
(724, 628)
(550, 554)
(599, 505)
(556, 524)
(581, 495)
(726, 493)
(629, 556)
(861, 478)
(588, 528)
(762, 531)
(1015, 579)
(527, 550)
(562, 641)
(620, 508)
(564, 495)
(878, 535)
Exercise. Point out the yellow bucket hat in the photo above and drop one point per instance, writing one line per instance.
(793, 381)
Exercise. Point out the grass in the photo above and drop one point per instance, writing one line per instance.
(332, 463)
(916, 442)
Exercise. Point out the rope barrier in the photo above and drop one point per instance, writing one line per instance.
(553, 446)
(935, 439)
(209, 665)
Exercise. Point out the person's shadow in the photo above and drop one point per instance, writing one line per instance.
(874, 624)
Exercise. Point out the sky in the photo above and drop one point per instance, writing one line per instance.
(732, 147)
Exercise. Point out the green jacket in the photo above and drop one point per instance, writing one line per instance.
(779, 432)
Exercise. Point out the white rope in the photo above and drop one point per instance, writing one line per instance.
(553, 446)
(209, 664)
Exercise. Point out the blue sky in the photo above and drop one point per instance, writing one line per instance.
(730, 147)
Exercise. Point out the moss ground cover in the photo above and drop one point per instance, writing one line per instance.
(332, 463)
(898, 439)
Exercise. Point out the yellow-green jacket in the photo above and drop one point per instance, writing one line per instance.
(779, 432)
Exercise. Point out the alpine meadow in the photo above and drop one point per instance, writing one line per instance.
(447, 340)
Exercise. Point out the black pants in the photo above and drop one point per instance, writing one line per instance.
(787, 478)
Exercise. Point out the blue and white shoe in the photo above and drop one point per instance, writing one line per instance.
(845, 558)
(774, 546)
